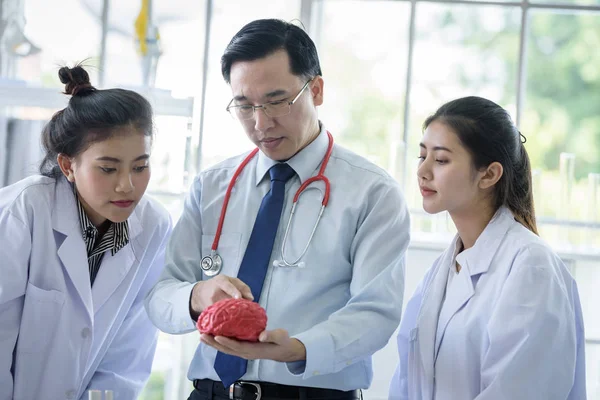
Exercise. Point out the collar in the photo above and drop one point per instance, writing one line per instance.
(478, 258)
(457, 246)
(304, 163)
(64, 212)
(117, 234)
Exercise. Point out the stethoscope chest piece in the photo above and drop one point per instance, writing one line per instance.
(212, 264)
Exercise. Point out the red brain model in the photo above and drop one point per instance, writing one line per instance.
(235, 318)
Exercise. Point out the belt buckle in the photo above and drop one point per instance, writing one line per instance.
(242, 383)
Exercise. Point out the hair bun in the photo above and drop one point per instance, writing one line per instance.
(76, 80)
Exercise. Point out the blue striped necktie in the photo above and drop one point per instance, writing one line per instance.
(256, 259)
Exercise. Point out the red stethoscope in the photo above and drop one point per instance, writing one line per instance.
(213, 263)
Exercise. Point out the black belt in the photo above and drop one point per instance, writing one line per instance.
(248, 390)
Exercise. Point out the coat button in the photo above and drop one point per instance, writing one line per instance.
(85, 332)
(70, 394)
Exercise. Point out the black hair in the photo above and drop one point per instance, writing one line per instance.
(489, 135)
(263, 37)
(92, 115)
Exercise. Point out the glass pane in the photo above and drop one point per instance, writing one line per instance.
(173, 155)
(177, 60)
(364, 68)
(123, 65)
(182, 26)
(223, 136)
(460, 50)
(178, 57)
(561, 119)
(563, 90)
(64, 38)
(167, 380)
(176, 67)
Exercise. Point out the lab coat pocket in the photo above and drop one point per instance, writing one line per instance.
(41, 315)
(229, 250)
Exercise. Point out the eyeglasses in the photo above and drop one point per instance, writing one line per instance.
(273, 109)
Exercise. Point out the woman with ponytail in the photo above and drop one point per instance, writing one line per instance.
(498, 314)
(80, 247)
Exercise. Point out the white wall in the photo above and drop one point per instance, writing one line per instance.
(418, 260)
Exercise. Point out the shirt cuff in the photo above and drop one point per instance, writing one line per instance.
(181, 309)
(319, 354)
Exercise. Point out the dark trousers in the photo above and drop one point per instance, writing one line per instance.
(217, 392)
(198, 395)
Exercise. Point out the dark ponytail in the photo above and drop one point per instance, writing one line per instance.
(92, 115)
(519, 198)
(489, 134)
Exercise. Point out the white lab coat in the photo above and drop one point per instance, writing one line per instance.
(58, 336)
(511, 328)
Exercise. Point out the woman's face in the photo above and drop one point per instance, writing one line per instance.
(112, 175)
(447, 178)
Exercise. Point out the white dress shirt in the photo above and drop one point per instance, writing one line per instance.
(347, 300)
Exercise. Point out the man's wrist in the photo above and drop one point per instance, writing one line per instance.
(299, 351)
(194, 314)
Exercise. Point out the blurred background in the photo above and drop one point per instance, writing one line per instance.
(387, 65)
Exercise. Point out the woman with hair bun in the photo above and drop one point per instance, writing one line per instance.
(498, 315)
(81, 245)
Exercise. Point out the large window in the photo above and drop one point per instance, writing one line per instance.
(364, 99)
(535, 59)
(389, 64)
(222, 136)
(459, 50)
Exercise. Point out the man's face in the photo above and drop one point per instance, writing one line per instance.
(268, 80)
